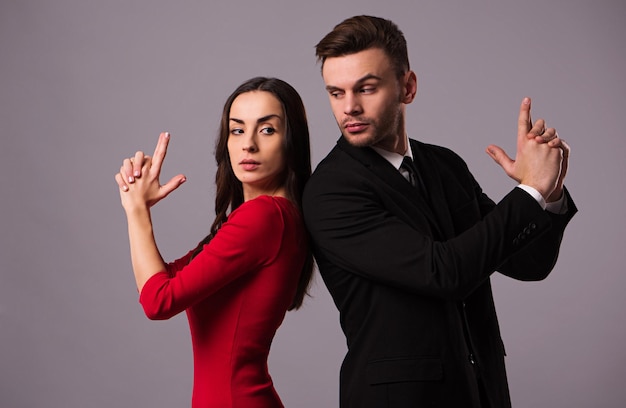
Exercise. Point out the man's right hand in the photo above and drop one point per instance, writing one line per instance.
(537, 164)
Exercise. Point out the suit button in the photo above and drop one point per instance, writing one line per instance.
(471, 359)
(532, 226)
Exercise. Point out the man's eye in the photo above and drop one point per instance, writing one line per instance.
(368, 89)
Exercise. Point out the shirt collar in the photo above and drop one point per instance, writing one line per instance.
(394, 158)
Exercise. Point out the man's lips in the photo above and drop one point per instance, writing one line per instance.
(355, 127)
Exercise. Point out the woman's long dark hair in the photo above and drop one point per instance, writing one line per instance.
(229, 191)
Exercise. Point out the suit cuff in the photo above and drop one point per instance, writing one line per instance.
(559, 206)
(534, 194)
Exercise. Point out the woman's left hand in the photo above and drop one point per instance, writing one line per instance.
(138, 178)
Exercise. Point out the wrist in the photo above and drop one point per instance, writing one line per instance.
(556, 195)
(134, 210)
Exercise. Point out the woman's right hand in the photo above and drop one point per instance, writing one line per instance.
(138, 178)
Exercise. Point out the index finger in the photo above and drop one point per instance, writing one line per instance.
(160, 150)
(524, 123)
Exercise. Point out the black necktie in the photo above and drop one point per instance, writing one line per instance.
(409, 166)
(414, 178)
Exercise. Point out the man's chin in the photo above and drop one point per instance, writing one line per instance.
(358, 139)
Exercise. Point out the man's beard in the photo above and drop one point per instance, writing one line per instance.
(376, 131)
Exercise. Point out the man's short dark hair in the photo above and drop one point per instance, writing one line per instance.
(360, 33)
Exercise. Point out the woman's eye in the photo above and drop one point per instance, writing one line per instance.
(236, 131)
(268, 130)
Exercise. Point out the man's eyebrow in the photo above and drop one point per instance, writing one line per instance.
(358, 82)
(368, 77)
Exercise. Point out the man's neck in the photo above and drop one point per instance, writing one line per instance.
(399, 145)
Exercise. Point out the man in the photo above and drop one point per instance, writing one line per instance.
(407, 254)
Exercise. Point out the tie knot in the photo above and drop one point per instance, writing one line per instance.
(409, 166)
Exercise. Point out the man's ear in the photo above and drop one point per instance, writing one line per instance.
(409, 87)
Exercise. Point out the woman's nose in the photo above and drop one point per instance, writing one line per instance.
(249, 145)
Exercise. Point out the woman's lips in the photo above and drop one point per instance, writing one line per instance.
(249, 164)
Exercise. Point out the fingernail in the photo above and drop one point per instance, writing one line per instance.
(137, 173)
(125, 188)
(131, 179)
(167, 134)
(526, 101)
(182, 180)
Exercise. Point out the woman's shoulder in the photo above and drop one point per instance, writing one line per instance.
(272, 208)
(263, 223)
(266, 203)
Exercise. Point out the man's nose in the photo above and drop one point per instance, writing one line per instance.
(352, 104)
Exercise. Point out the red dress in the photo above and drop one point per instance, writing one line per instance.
(236, 292)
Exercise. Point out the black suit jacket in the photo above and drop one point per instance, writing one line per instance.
(411, 278)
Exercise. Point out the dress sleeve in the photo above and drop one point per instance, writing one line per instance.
(250, 239)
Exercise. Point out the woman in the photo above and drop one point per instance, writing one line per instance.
(255, 264)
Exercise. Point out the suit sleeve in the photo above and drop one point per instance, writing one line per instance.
(537, 259)
(353, 231)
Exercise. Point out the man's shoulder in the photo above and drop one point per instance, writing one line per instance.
(437, 151)
(336, 160)
(338, 171)
(436, 155)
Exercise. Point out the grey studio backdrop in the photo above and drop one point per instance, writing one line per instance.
(84, 84)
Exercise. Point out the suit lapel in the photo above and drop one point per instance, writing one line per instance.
(428, 168)
(408, 198)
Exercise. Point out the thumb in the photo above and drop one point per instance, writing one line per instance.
(172, 185)
(500, 157)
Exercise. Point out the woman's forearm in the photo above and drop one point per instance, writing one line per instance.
(145, 256)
